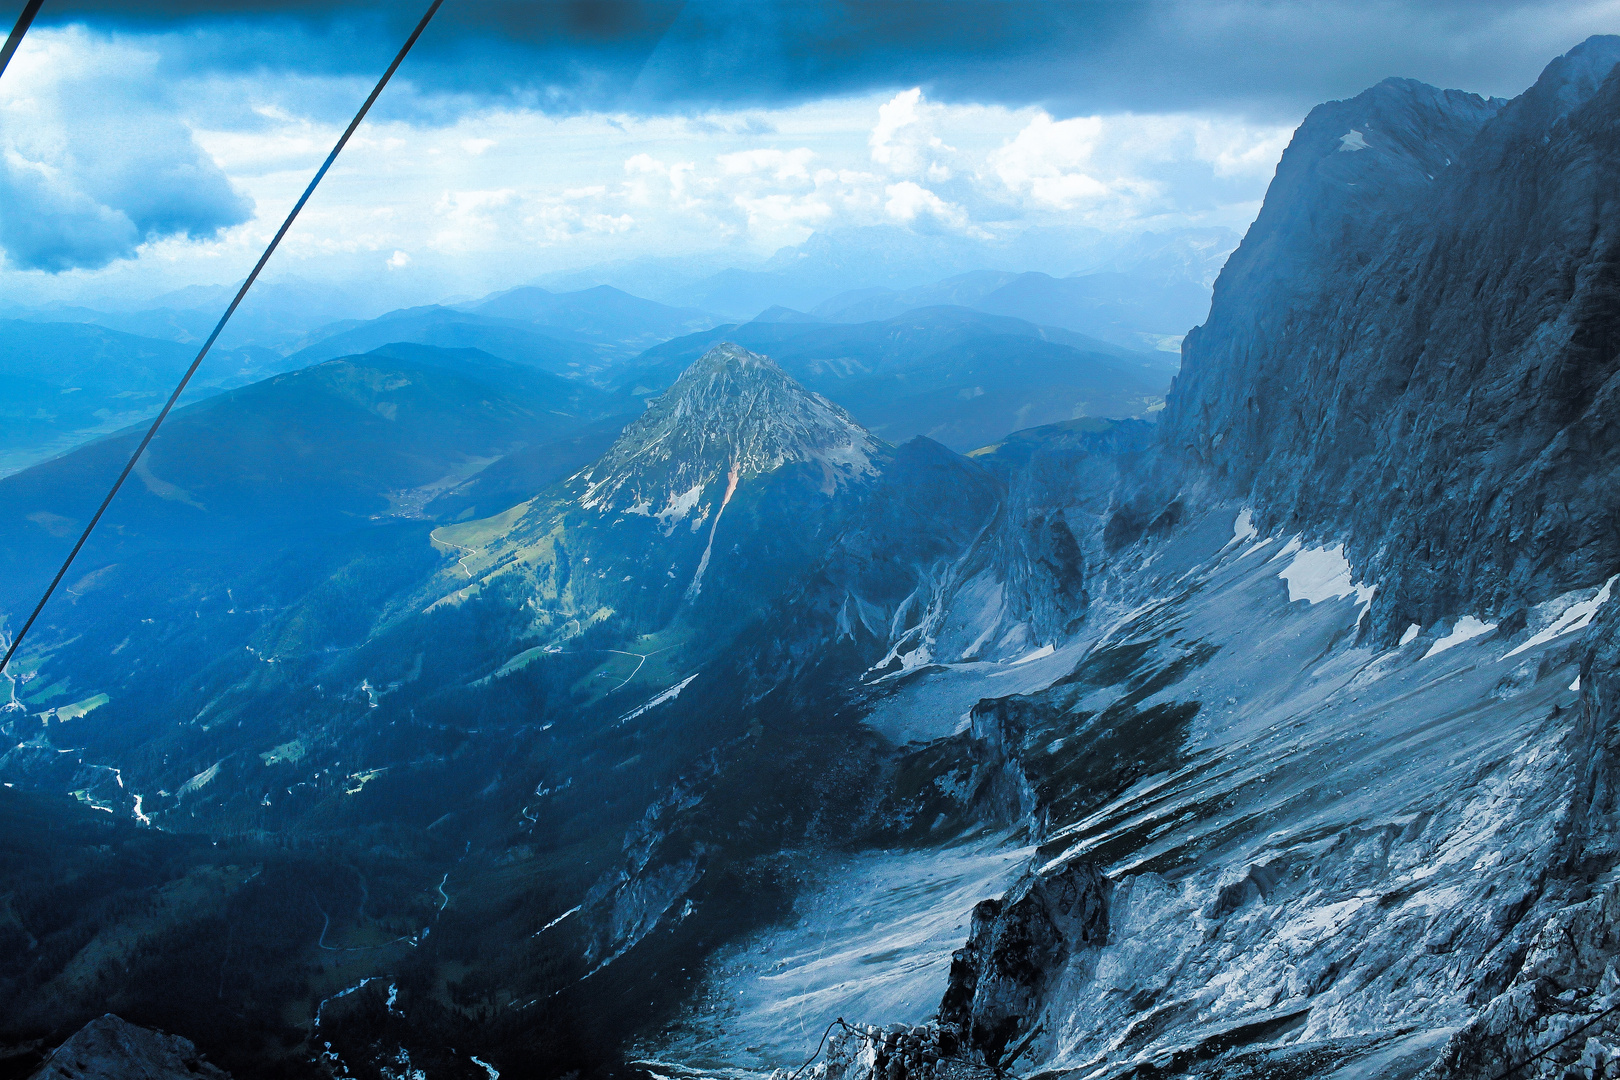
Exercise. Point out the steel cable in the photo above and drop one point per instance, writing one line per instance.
(819, 1045)
(24, 21)
(1544, 1051)
(223, 319)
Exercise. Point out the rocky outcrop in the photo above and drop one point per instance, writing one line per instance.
(110, 1048)
(1060, 480)
(1016, 947)
(1560, 1013)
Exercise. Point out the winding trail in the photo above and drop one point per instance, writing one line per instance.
(461, 562)
(641, 658)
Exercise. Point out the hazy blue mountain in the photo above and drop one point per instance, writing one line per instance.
(69, 382)
(603, 315)
(780, 314)
(871, 304)
(954, 375)
(877, 260)
(1136, 310)
(580, 334)
(250, 471)
(447, 328)
(275, 316)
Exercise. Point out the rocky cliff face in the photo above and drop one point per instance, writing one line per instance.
(1415, 348)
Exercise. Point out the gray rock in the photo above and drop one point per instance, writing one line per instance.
(1016, 946)
(110, 1048)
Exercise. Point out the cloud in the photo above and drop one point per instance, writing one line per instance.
(1073, 59)
(498, 195)
(93, 165)
(907, 202)
(1131, 167)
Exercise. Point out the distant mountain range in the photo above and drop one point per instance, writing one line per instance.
(1141, 294)
(957, 376)
(1177, 265)
(1125, 309)
(960, 375)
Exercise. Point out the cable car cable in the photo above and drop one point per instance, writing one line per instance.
(223, 319)
(24, 20)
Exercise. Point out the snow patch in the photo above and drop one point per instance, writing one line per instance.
(1466, 628)
(679, 506)
(1412, 632)
(554, 922)
(1575, 617)
(1243, 528)
(668, 695)
(1352, 141)
(1040, 653)
(1318, 574)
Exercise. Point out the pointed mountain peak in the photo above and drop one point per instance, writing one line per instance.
(731, 416)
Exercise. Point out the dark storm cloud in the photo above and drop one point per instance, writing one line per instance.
(1073, 57)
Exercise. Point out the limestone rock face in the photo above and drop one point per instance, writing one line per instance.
(110, 1048)
(1417, 346)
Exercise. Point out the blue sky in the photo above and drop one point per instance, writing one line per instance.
(147, 146)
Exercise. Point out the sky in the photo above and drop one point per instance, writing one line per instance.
(145, 146)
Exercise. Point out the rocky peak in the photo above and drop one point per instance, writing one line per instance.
(111, 1048)
(731, 416)
(1427, 371)
(1567, 83)
(1349, 164)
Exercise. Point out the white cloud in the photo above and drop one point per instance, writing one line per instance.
(495, 197)
(907, 201)
(93, 160)
(780, 165)
(1126, 167)
(905, 140)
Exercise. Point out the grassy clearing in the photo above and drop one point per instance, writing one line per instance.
(55, 689)
(80, 708)
(287, 753)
